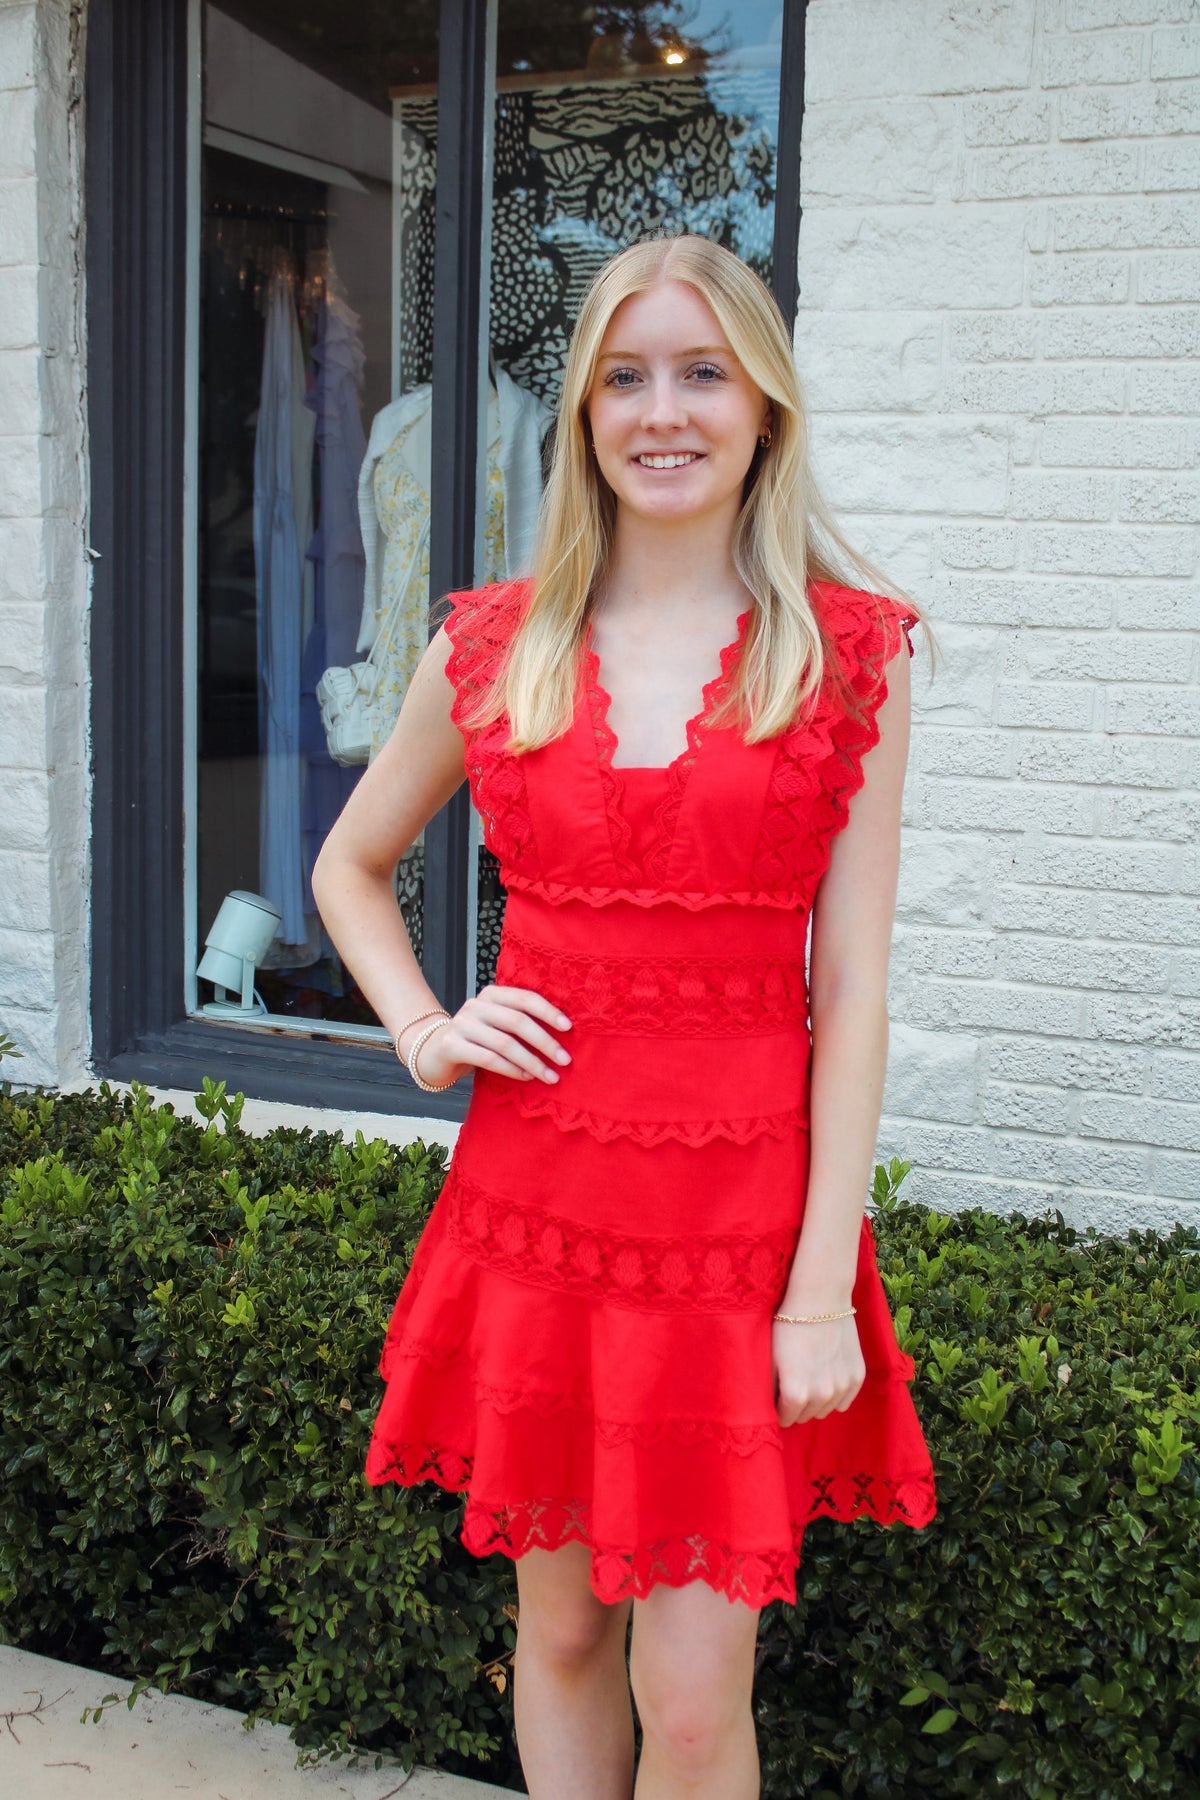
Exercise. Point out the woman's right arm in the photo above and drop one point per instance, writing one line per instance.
(412, 778)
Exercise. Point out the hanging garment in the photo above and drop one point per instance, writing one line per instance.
(282, 512)
(393, 500)
(336, 399)
(402, 507)
(336, 553)
(582, 1346)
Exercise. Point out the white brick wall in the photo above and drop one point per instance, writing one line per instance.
(999, 327)
(43, 583)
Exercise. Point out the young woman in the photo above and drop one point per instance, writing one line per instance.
(644, 1332)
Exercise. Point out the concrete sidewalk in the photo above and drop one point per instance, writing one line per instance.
(167, 1745)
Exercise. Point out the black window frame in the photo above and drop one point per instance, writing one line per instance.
(137, 274)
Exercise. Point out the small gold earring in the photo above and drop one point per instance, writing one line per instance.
(765, 438)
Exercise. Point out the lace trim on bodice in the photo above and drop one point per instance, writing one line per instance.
(598, 702)
(677, 996)
(728, 1273)
(653, 872)
(819, 765)
(480, 629)
(560, 893)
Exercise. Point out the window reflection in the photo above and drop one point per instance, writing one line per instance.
(317, 303)
(622, 123)
(307, 283)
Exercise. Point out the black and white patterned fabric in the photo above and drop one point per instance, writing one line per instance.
(579, 172)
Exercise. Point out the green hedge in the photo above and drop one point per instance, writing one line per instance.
(190, 1322)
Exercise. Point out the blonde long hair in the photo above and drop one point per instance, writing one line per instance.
(785, 534)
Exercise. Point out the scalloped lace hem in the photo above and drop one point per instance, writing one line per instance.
(695, 1133)
(622, 1572)
(755, 1577)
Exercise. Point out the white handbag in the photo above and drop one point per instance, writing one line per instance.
(344, 696)
(349, 698)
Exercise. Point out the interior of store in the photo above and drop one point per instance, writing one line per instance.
(316, 418)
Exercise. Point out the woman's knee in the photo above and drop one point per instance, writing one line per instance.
(690, 1725)
(558, 1616)
(692, 1686)
(568, 1635)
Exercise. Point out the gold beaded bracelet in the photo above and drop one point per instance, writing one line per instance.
(427, 1087)
(811, 1318)
(435, 1012)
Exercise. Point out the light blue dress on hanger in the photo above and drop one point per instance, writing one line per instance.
(282, 463)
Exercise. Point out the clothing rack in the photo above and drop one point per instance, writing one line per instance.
(262, 241)
(278, 214)
(536, 78)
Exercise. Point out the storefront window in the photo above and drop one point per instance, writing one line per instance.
(316, 258)
(318, 296)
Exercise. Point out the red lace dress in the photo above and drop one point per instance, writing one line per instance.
(583, 1343)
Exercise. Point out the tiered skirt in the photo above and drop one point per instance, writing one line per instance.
(582, 1347)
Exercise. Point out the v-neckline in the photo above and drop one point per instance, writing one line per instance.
(674, 774)
(600, 703)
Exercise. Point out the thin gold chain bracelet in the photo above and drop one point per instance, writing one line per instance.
(811, 1318)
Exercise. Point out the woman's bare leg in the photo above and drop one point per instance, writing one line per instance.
(571, 1698)
(692, 1666)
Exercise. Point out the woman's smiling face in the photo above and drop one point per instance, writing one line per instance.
(674, 417)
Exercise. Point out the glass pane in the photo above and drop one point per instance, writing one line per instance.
(612, 123)
(315, 325)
